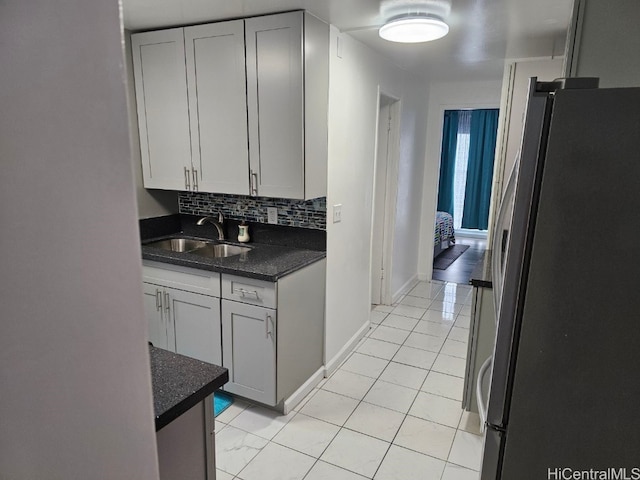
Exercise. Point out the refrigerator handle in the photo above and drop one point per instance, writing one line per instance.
(497, 260)
(482, 405)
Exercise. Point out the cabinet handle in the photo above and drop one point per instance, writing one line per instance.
(244, 293)
(195, 179)
(269, 331)
(254, 183)
(167, 304)
(158, 299)
(187, 185)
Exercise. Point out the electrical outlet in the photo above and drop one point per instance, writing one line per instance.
(272, 215)
(337, 213)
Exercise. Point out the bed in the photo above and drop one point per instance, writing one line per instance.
(444, 236)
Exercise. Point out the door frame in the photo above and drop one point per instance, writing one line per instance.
(383, 231)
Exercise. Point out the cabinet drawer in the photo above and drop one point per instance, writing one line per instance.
(249, 290)
(182, 278)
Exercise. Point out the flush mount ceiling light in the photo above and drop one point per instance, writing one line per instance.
(414, 29)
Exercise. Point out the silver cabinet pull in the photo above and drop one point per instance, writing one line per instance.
(267, 322)
(195, 179)
(254, 183)
(167, 304)
(246, 293)
(187, 185)
(158, 299)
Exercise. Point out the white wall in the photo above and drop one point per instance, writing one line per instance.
(445, 96)
(76, 396)
(151, 203)
(355, 80)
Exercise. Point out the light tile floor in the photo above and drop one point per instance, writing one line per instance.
(390, 412)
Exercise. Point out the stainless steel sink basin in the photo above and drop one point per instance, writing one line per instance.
(198, 247)
(177, 244)
(220, 250)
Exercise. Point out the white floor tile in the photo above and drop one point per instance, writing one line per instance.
(233, 410)
(220, 475)
(409, 311)
(399, 321)
(463, 321)
(437, 409)
(261, 421)
(426, 289)
(365, 365)
(403, 464)
(451, 296)
(388, 334)
(235, 448)
(276, 462)
(377, 317)
(466, 310)
(404, 375)
(425, 437)
(466, 450)
(415, 357)
(378, 348)
(459, 334)
(416, 302)
(330, 407)
(450, 365)
(470, 422)
(455, 349)
(391, 396)
(375, 421)
(447, 307)
(325, 471)
(440, 316)
(307, 435)
(437, 329)
(356, 452)
(349, 384)
(424, 342)
(304, 401)
(383, 308)
(444, 385)
(456, 472)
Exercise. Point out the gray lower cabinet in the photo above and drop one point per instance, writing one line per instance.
(249, 350)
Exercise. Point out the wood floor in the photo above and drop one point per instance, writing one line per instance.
(460, 270)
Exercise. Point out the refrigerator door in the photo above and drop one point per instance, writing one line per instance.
(527, 187)
(576, 386)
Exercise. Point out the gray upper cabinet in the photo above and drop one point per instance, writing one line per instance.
(218, 106)
(214, 120)
(163, 114)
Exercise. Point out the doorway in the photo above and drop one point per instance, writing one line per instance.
(384, 198)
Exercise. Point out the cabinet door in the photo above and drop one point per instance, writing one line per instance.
(275, 104)
(218, 106)
(153, 311)
(194, 325)
(249, 350)
(163, 116)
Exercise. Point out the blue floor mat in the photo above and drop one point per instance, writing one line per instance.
(221, 402)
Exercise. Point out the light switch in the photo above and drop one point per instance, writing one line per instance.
(272, 215)
(337, 213)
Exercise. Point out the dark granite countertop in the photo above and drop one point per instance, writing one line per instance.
(481, 275)
(276, 251)
(180, 383)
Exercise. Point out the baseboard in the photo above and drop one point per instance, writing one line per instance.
(300, 394)
(412, 282)
(333, 364)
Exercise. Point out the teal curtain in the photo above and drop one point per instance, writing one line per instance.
(482, 147)
(448, 161)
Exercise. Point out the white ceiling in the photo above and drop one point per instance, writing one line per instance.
(482, 32)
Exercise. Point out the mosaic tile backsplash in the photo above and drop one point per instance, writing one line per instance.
(293, 213)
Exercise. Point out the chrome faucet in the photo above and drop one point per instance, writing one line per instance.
(218, 224)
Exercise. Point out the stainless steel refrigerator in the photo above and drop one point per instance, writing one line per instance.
(565, 378)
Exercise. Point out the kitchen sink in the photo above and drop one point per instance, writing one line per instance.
(220, 250)
(177, 244)
(198, 247)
